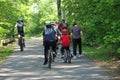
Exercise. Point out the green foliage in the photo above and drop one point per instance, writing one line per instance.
(10, 11)
(118, 50)
(4, 53)
(34, 13)
(100, 54)
(99, 20)
(41, 11)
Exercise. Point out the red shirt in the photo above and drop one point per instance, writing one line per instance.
(65, 40)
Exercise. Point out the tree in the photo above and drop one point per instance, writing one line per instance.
(59, 9)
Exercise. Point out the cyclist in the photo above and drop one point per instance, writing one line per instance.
(65, 39)
(20, 27)
(63, 25)
(49, 40)
(58, 33)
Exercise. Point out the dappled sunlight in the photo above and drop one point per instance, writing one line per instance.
(18, 73)
(28, 65)
(66, 66)
(27, 56)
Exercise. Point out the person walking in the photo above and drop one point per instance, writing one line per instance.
(63, 25)
(76, 33)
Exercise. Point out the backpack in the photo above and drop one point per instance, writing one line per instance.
(49, 34)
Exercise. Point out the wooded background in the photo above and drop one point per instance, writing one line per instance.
(99, 19)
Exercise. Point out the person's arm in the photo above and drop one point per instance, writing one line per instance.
(43, 37)
(81, 32)
(16, 25)
(59, 33)
(70, 38)
(67, 24)
(71, 33)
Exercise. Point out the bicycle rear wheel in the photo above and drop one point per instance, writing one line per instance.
(69, 57)
(65, 56)
(50, 59)
(21, 43)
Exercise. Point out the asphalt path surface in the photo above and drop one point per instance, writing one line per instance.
(28, 65)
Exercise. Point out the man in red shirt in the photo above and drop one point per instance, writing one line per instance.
(65, 39)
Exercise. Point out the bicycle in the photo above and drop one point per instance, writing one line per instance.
(21, 42)
(67, 56)
(50, 57)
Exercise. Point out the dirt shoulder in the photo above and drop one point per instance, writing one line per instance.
(111, 67)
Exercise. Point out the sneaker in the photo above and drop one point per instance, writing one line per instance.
(74, 57)
(71, 55)
(79, 56)
(62, 56)
(44, 63)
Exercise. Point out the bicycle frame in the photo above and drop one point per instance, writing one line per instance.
(67, 56)
(20, 41)
(50, 57)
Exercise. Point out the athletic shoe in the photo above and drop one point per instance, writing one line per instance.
(45, 63)
(62, 56)
(79, 56)
(74, 57)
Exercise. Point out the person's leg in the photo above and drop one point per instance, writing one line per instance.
(54, 48)
(62, 52)
(57, 43)
(80, 46)
(46, 48)
(53, 44)
(68, 48)
(74, 47)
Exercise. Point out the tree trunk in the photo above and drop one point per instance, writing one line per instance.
(59, 9)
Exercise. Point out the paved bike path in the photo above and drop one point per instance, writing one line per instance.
(28, 65)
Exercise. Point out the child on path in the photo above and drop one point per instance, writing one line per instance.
(65, 39)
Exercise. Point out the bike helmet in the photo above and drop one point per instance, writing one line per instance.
(48, 25)
(64, 31)
(20, 19)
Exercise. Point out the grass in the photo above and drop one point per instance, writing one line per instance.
(98, 54)
(103, 58)
(5, 52)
